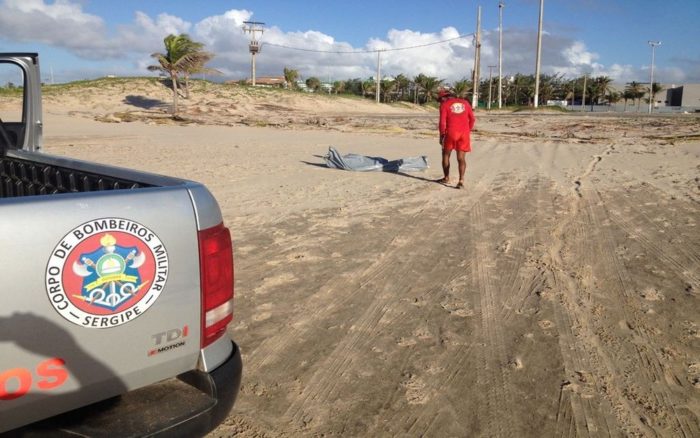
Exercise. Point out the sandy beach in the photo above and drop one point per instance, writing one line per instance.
(558, 294)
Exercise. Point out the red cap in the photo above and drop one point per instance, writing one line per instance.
(443, 93)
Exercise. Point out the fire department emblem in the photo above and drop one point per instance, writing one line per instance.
(457, 108)
(106, 272)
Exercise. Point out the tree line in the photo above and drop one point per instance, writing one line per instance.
(184, 57)
(518, 90)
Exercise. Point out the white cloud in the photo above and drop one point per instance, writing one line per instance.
(58, 11)
(64, 24)
(577, 54)
(164, 24)
(145, 35)
(61, 24)
(425, 53)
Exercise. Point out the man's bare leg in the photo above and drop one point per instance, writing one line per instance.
(462, 162)
(446, 165)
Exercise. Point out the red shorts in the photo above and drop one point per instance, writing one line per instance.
(459, 142)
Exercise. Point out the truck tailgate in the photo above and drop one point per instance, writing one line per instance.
(104, 293)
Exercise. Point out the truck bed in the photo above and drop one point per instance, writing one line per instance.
(23, 177)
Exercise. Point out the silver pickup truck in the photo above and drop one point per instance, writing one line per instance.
(117, 289)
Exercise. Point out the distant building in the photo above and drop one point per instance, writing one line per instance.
(671, 98)
(687, 96)
(268, 81)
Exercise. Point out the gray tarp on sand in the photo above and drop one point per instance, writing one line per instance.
(362, 163)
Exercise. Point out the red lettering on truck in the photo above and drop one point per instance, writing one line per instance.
(52, 372)
(16, 382)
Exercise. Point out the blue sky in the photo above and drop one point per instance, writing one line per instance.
(80, 39)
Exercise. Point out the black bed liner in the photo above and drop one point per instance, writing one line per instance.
(20, 177)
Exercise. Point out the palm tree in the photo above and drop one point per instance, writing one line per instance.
(592, 90)
(461, 87)
(614, 97)
(637, 91)
(313, 83)
(603, 86)
(549, 84)
(388, 87)
(430, 85)
(522, 85)
(198, 67)
(418, 80)
(655, 88)
(401, 85)
(628, 95)
(291, 76)
(181, 55)
(368, 87)
(568, 89)
(517, 82)
(339, 86)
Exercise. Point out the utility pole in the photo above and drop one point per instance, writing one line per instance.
(477, 60)
(501, 5)
(491, 67)
(583, 98)
(653, 45)
(539, 53)
(379, 79)
(252, 27)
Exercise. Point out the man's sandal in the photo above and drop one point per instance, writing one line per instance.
(443, 181)
(460, 185)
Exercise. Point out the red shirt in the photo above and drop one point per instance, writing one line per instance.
(456, 117)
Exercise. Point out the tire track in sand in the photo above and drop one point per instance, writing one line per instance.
(601, 363)
(514, 237)
(330, 296)
(581, 411)
(400, 262)
(659, 379)
(677, 257)
(492, 358)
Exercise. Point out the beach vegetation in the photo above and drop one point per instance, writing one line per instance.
(636, 91)
(655, 89)
(291, 76)
(313, 83)
(182, 57)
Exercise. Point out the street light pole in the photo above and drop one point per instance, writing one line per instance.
(501, 5)
(491, 67)
(378, 86)
(477, 59)
(583, 97)
(653, 45)
(539, 53)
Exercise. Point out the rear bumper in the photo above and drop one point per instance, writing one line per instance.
(192, 404)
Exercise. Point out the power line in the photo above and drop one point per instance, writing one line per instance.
(301, 49)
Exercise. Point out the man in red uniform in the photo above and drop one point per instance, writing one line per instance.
(456, 122)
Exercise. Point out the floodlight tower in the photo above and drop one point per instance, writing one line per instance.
(377, 89)
(252, 27)
(501, 5)
(539, 53)
(653, 45)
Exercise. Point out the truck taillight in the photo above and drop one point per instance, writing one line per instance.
(216, 272)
